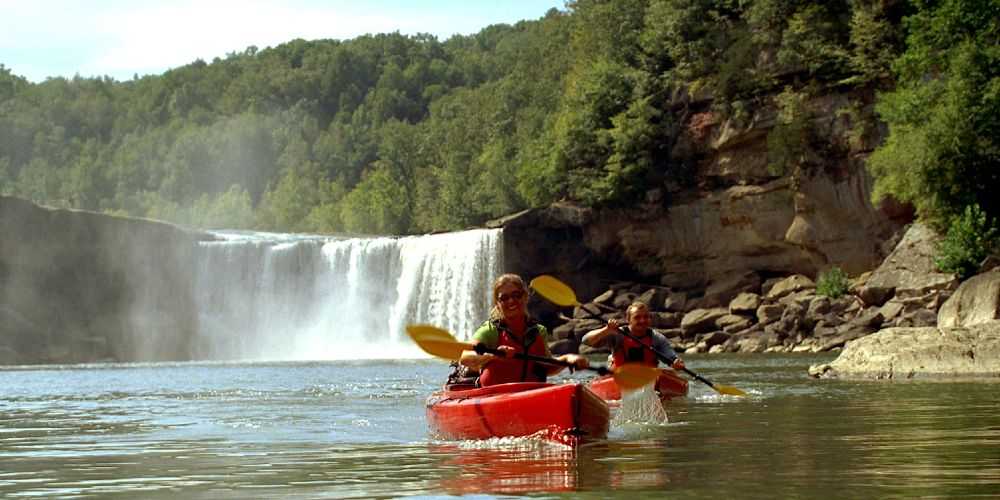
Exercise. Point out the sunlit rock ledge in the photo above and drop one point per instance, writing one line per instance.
(925, 352)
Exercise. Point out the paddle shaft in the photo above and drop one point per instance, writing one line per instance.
(669, 361)
(481, 348)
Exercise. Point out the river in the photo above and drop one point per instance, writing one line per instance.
(356, 429)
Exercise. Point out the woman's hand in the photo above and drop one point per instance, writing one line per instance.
(506, 351)
(578, 362)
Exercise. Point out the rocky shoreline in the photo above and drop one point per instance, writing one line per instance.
(904, 319)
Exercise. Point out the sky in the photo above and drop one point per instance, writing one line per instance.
(121, 38)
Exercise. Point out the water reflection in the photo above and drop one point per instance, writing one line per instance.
(360, 431)
(520, 466)
(507, 468)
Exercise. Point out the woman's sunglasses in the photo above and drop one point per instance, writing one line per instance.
(503, 297)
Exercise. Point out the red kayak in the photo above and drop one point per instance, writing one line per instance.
(668, 385)
(565, 413)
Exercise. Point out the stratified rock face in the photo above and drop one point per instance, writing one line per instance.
(902, 353)
(78, 286)
(771, 228)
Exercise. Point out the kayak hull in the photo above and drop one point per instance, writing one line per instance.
(669, 385)
(565, 413)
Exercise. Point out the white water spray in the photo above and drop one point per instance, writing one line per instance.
(281, 297)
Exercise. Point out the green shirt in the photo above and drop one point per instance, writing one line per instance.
(489, 335)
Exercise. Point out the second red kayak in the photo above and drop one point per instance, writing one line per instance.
(668, 385)
(565, 413)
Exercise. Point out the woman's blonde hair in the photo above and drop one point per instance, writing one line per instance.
(509, 278)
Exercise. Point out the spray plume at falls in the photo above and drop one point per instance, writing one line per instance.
(283, 297)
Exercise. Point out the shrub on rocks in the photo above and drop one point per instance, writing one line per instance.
(832, 283)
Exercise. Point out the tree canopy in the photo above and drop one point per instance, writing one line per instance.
(401, 134)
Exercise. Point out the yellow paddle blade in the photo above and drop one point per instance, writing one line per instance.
(429, 332)
(633, 376)
(729, 390)
(554, 290)
(437, 342)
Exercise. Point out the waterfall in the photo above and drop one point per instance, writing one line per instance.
(266, 296)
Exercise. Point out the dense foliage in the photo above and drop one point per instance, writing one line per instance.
(943, 151)
(971, 237)
(396, 134)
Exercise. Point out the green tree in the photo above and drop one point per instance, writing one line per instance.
(942, 153)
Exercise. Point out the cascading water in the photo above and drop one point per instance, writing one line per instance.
(290, 297)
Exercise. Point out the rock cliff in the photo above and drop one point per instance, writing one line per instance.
(72, 284)
(735, 217)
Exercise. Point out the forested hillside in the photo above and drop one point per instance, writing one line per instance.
(400, 134)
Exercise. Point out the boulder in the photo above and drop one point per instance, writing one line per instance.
(744, 303)
(701, 320)
(769, 313)
(976, 301)
(666, 319)
(919, 352)
(584, 311)
(721, 291)
(733, 323)
(789, 285)
(910, 270)
(653, 297)
(675, 302)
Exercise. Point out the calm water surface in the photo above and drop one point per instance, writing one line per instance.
(357, 429)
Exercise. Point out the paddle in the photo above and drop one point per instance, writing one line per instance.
(561, 294)
(439, 343)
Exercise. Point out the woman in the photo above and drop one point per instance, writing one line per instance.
(628, 350)
(510, 331)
